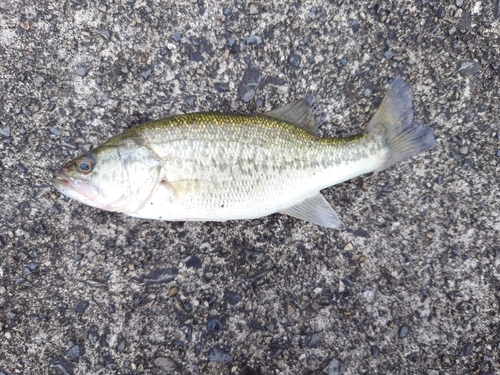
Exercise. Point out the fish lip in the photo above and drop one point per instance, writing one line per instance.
(62, 181)
(72, 188)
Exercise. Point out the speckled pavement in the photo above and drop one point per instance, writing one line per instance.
(409, 285)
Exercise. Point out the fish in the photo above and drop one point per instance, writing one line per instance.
(211, 166)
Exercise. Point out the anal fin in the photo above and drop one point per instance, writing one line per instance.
(316, 210)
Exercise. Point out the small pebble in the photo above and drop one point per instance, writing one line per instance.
(294, 60)
(219, 355)
(5, 131)
(194, 262)
(369, 295)
(54, 131)
(213, 325)
(254, 9)
(404, 331)
(466, 349)
(91, 100)
(38, 81)
(106, 34)
(82, 71)
(160, 276)
(226, 11)
(176, 37)
(232, 297)
(388, 55)
(190, 100)
(249, 83)
(222, 86)
(315, 340)
(355, 26)
(334, 367)
(196, 56)
(32, 266)
(195, 41)
(166, 363)
(75, 352)
(82, 306)
(347, 282)
(145, 73)
(253, 39)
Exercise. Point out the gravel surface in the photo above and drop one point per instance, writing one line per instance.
(409, 285)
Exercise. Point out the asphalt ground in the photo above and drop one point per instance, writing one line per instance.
(408, 285)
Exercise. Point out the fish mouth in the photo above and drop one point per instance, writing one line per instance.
(64, 186)
(79, 190)
(63, 182)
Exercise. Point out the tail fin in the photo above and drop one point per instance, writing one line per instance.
(394, 123)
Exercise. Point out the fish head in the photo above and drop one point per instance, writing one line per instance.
(110, 177)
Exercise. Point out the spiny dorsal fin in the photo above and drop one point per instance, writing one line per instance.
(316, 210)
(296, 113)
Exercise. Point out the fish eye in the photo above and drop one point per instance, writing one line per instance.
(85, 165)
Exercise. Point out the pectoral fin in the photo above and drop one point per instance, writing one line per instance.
(316, 210)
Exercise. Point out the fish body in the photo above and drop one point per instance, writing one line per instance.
(218, 166)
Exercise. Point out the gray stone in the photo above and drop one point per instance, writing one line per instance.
(146, 73)
(75, 352)
(314, 340)
(82, 306)
(176, 37)
(190, 100)
(38, 81)
(106, 34)
(334, 368)
(404, 331)
(91, 100)
(54, 131)
(161, 276)
(468, 67)
(253, 39)
(165, 363)
(5, 131)
(249, 83)
(219, 355)
(196, 56)
(222, 86)
(214, 325)
(82, 71)
(232, 297)
(355, 26)
(294, 60)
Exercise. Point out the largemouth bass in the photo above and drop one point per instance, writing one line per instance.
(220, 166)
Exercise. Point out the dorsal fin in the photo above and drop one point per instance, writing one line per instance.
(296, 113)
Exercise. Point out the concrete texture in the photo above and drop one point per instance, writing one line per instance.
(409, 285)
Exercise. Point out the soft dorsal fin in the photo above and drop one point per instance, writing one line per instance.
(316, 210)
(296, 113)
